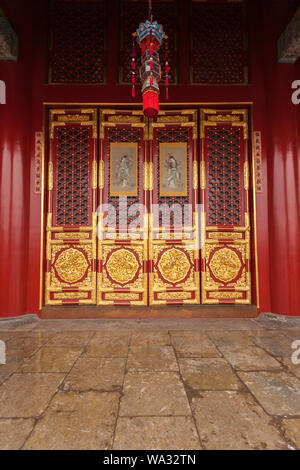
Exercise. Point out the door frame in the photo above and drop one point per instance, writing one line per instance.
(165, 106)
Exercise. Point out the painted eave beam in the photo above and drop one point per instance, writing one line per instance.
(289, 41)
(8, 40)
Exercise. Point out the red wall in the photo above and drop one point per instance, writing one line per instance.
(273, 114)
(15, 163)
(283, 167)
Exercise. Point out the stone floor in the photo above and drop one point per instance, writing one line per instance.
(150, 384)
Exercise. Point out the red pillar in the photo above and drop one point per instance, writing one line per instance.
(283, 167)
(15, 140)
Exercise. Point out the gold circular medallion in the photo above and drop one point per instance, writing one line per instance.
(174, 265)
(122, 266)
(71, 265)
(225, 265)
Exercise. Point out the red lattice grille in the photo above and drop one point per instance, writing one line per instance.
(78, 39)
(72, 201)
(218, 54)
(133, 14)
(224, 186)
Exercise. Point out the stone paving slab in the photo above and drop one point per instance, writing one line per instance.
(274, 343)
(292, 368)
(102, 374)
(27, 395)
(193, 344)
(150, 338)
(51, 359)
(14, 432)
(154, 394)
(155, 433)
(231, 420)
(108, 345)
(278, 393)
(4, 375)
(291, 428)
(236, 338)
(71, 339)
(152, 359)
(76, 421)
(249, 358)
(208, 374)
(153, 384)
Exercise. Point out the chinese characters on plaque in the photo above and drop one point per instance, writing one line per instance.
(258, 162)
(38, 163)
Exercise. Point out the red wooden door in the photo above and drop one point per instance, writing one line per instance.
(122, 227)
(71, 214)
(225, 254)
(173, 236)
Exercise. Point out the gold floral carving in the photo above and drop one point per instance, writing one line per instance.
(121, 119)
(121, 296)
(246, 176)
(174, 265)
(150, 177)
(171, 119)
(146, 176)
(50, 176)
(223, 118)
(71, 265)
(94, 182)
(122, 266)
(226, 295)
(101, 174)
(225, 264)
(225, 236)
(72, 236)
(73, 118)
(70, 295)
(195, 174)
(174, 295)
(202, 175)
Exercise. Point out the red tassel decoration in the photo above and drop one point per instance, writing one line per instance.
(133, 66)
(167, 68)
(133, 45)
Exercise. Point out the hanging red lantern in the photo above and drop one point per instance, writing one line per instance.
(150, 36)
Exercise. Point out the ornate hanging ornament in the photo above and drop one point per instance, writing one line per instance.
(150, 36)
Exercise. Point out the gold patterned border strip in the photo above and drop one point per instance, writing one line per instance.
(195, 174)
(79, 117)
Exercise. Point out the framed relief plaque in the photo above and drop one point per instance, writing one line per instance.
(123, 169)
(173, 169)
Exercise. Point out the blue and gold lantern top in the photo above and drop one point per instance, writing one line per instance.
(144, 29)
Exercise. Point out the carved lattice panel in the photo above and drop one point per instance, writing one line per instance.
(77, 48)
(123, 228)
(224, 176)
(173, 234)
(132, 14)
(71, 219)
(219, 42)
